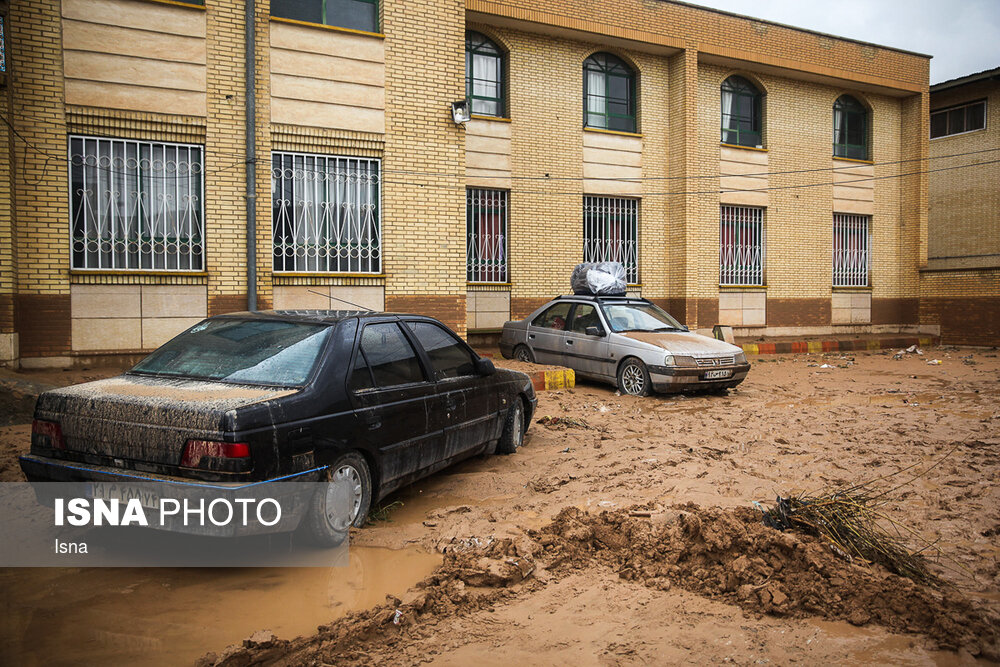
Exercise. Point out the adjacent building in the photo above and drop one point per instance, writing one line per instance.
(960, 287)
(745, 172)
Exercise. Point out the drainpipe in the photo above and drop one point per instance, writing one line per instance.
(251, 163)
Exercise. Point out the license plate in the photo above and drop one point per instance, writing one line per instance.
(716, 375)
(124, 493)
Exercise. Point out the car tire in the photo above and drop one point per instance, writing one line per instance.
(633, 378)
(513, 429)
(524, 353)
(350, 482)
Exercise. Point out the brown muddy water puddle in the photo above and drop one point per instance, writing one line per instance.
(870, 646)
(161, 616)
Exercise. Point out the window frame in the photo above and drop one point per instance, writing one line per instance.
(736, 273)
(376, 29)
(372, 227)
(606, 69)
(418, 354)
(431, 368)
(955, 107)
(130, 171)
(470, 74)
(840, 265)
(595, 206)
(740, 87)
(497, 203)
(843, 149)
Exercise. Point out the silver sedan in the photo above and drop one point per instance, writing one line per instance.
(629, 342)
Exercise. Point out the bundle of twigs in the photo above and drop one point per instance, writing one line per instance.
(853, 521)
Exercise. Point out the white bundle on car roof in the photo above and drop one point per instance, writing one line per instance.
(599, 279)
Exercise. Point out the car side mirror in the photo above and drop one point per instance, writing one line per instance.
(485, 367)
(594, 331)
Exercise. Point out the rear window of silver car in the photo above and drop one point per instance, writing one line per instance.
(638, 317)
(272, 353)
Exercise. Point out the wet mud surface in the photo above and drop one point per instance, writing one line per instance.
(622, 533)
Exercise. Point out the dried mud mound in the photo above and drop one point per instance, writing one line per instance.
(723, 554)
(730, 555)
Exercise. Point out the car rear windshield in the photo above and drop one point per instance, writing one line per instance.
(639, 317)
(241, 351)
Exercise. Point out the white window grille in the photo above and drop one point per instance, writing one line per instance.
(326, 213)
(486, 231)
(851, 250)
(741, 246)
(136, 205)
(611, 233)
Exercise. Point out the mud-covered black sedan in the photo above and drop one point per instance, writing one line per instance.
(375, 399)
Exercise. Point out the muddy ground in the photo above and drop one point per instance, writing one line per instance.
(623, 532)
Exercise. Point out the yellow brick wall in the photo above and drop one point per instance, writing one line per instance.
(964, 210)
(424, 210)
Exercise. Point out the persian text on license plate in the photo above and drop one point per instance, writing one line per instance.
(126, 492)
(715, 375)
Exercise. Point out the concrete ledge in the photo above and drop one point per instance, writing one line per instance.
(791, 347)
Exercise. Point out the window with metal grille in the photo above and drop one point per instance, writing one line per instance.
(959, 119)
(486, 236)
(741, 246)
(851, 250)
(608, 93)
(136, 205)
(611, 233)
(326, 213)
(483, 75)
(353, 14)
(741, 113)
(850, 128)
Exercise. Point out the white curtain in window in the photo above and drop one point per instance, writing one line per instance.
(486, 76)
(596, 92)
(728, 108)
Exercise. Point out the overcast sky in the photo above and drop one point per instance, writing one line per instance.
(962, 35)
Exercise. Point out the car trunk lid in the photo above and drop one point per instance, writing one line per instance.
(148, 419)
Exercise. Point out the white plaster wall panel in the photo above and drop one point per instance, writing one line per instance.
(158, 330)
(852, 191)
(93, 334)
(742, 175)
(612, 156)
(330, 79)
(105, 301)
(135, 56)
(174, 301)
(487, 154)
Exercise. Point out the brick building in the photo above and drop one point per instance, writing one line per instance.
(960, 287)
(746, 172)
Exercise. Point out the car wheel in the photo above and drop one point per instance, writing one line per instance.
(513, 429)
(523, 353)
(342, 502)
(633, 378)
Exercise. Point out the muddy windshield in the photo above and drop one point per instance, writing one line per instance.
(639, 317)
(241, 351)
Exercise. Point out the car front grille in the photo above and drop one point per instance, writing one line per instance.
(715, 361)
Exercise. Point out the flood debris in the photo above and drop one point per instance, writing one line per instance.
(913, 349)
(850, 522)
(564, 422)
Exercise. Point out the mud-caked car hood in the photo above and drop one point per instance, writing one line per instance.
(684, 343)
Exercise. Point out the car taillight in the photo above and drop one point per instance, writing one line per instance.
(215, 455)
(47, 434)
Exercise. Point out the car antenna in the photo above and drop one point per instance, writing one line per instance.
(333, 298)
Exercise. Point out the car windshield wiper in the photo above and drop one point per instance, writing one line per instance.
(666, 329)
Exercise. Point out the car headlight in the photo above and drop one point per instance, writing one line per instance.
(741, 358)
(668, 360)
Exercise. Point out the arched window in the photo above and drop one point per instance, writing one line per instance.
(741, 113)
(608, 93)
(483, 75)
(850, 128)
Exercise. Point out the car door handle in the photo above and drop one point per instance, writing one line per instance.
(569, 342)
(531, 336)
(373, 422)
